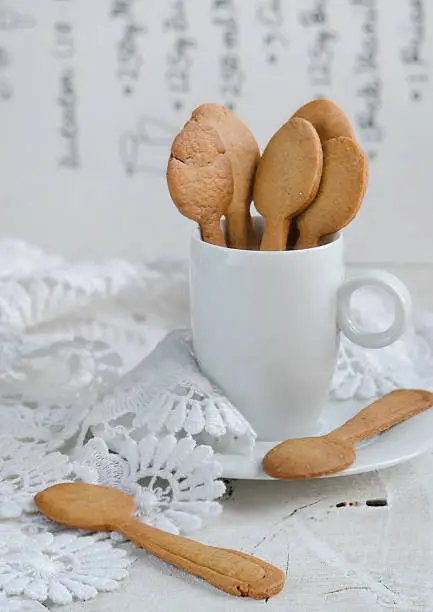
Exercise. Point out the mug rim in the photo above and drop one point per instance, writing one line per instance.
(196, 238)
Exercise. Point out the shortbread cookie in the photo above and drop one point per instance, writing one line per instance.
(341, 191)
(323, 455)
(244, 154)
(200, 178)
(99, 508)
(287, 179)
(328, 119)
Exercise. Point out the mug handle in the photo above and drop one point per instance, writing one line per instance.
(401, 300)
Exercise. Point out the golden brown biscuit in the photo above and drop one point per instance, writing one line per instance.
(328, 119)
(98, 508)
(200, 178)
(322, 455)
(341, 191)
(243, 152)
(287, 179)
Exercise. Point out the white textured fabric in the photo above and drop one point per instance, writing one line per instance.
(74, 338)
(58, 567)
(25, 468)
(68, 332)
(167, 393)
(172, 481)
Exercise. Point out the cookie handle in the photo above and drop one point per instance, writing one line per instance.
(241, 232)
(275, 234)
(212, 233)
(306, 241)
(228, 570)
(389, 410)
(401, 301)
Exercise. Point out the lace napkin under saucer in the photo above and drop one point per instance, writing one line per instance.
(166, 393)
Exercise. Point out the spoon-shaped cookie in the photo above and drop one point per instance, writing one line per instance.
(318, 456)
(200, 179)
(328, 119)
(341, 191)
(97, 508)
(244, 154)
(287, 179)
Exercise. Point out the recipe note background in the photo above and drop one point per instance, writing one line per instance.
(93, 91)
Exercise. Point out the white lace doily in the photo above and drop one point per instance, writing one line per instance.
(167, 393)
(74, 338)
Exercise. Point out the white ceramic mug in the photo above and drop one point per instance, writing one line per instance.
(266, 328)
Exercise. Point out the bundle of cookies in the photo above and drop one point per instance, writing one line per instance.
(309, 182)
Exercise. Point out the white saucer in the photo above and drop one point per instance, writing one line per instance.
(396, 445)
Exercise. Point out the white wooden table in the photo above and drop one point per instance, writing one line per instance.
(338, 552)
(336, 557)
